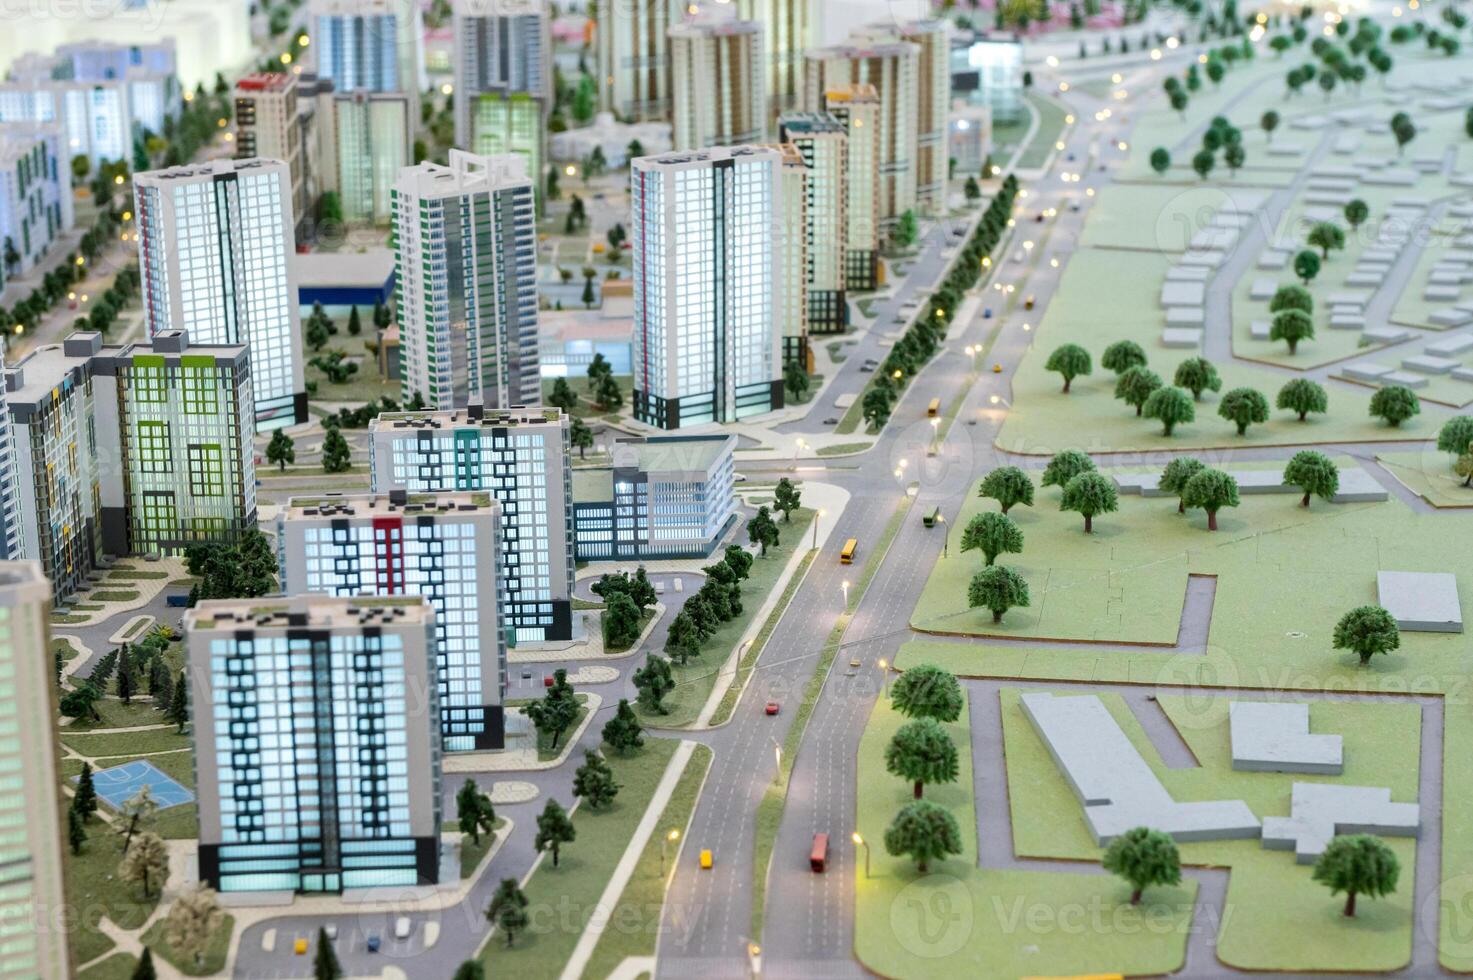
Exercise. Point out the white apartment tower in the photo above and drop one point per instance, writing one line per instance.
(707, 344)
(932, 39)
(857, 107)
(215, 242)
(789, 29)
(369, 45)
(634, 56)
(821, 141)
(465, 244)
(502, 47)
(719, 82)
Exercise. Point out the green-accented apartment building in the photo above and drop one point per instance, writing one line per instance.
(503, 122)
(138, 449)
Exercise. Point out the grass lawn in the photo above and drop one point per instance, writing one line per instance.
(94, 891)
(363, 386)
(695, 680)
(843, 448)
(644, 620)
(561, 899)
(212, 959)
(644, 896)
(113, 595)
(471, 853)
(1279, 919)
(116, 714)
(1428, 474)
(137, 743)
(961, 921)
(579, 383)
(119, 966)
(1050, 124)
(546, 751)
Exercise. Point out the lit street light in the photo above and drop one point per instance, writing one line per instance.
(935, 432)
(845, 586)
(821, 513)
(860, 842)
(669, 838)
(884, 674)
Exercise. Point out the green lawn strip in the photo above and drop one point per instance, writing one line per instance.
(749, 658)
(366, 384)
(963, 921)
(123, 743)
(116, 714)
(113, 595)
(695, 680)
(65, 619)
(585, 605)
(1050, 124)
(774, 799)
(94, 890)
(1429, 475)
(212, 958)
(843, 448)
(1278, 918)
(122, 573)
(67, 650)
(585, 408)
(561, 899)
(634, 921)
(472, 853)
(546, 751)
(1455, 918)
(119, 966)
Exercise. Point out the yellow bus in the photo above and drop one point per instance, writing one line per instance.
(846, 557)
(934, 409)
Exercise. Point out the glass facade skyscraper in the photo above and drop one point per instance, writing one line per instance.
(317, 756)
(215, 242)
(502, 123)
(369, 45)
(707, 342)
(502, 47)
(634, 56)
(372, 140)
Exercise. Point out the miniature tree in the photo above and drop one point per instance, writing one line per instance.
(623, 732)
(554, 829)
(1302, 396)
(1197, 374)
(1089, 494)
(927, 691)
(325, 965)
(76, 831)
(997, 589)
(1160, 160)
(992, 534)
(281, 450)
(562, 395)
(921, 752)
(1123, 355)
(786, 498)
(1009, 486)
(145, 969)
(1291, 326)
(653, 681)
(178, 712)
(1368, 630)
(474, 812)
(1143, 857)
(1291, 297)
(137, 814)
(85, 799)
(1324, 236)
(1456, 436)
(1395, 404)
(1269, 121)
(194, 919)
(1065, 466)
(1171, 407)
(1070, 361)
(336, 456)
(1210, 490)
(469, 970)
(1314, 473)
(683, 639)
(762, 530)
(1243, 407)
(146, 863)
(1135, 385)
(876, 406)
(127, 677)
(558, 709)
(1203, 162)
(594, 781)
(1234, 156)
(924, 832)
(507, 910)
(580, 436)
(739, 560)
(1306, 266)
(1174, 478)
(1358, 864)
(1356, 211)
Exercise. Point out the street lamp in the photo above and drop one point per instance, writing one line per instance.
(777, 752)
(669, 838)
(884, 674)
(945, 534)
(935, 432)
(860, 842)
(821, 513)
(845, 586)
(798, 446)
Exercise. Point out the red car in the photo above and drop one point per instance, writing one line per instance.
(772, 707)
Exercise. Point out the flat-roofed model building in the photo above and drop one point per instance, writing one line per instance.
(707, 266)
(32, 900)
(35, 192)
(508, 123)
(792, 287)
(502, 47)
(445, 547)
(369, 45)
(215, 242)
(317, 756)
(788, 26)
(663, 497)
(893, 68)
(987, 69)
(267, 124)
(821, 141)
(465, 246)
(933, 108)
(634, 56)
(521, 457)
(138, 449)
(372, 144)
(12, 535)
(718, 78)
(857, 107)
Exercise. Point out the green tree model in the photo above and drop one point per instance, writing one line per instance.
(1065, 466)
(1324, 236)
(1291, 326)
(76, 832)
(1357, 865)
(1009, 486)
(921, 752)
(474, 812)
(623, 732)
(127, 677)
(621, 624)
(554, 829)
(653, 681)
(1169, 406)
(1136, 385)
(193, 921)
(594, 781)
(1160, 160)
(795, 380)
(1089, 494)
(336, 456)
(1356, 211)
(927, 691)
(556, 712)
(1456, 436)
(562, 395)
(281, 450)
(762, 530)
(580, 436)
(1395, 404)
(178, 713)
(1070, 361)
(1211, 490)
(507, 910)
(923, 832)
(1306, 266)
(1174, 478)
(1234, 156)
(1368, 630)
(146, 863)
(1269, 121)
(244, 570)
(1197, 374)
(1203, 162)
(85, 800)
(1291, 297)
(1243, 407)
(972, 189)
(992, 534)
(1302, 396)
(786, 498)
(1123, 355)
(906, 229)
(1143, 857)
(739, 560)
(997, 589)
(325, 965)
(876, 407)
(1314, 473)
(683, 639)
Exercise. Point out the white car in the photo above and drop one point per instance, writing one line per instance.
(402, 927)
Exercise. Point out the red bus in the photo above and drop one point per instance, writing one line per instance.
(819, 856)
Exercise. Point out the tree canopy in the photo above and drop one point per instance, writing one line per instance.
(1069, 361)
(1211, 490)
(1090, 494)
(1313, 473)
(997, 589)
(1358, 864)
(1368, 630)
(1175, 476)
(1197, 374)
(1009, 486)
(1243, 407)
(1066, 465)
(927, 691)
(1302, 396)
(1169, 406)
(992, 534)
(1395, 404)
(924, 832)
(1143, 857)
(921, 752)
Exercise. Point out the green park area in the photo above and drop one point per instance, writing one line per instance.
(1428, 475)
(1275, 917)
(960, 920)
